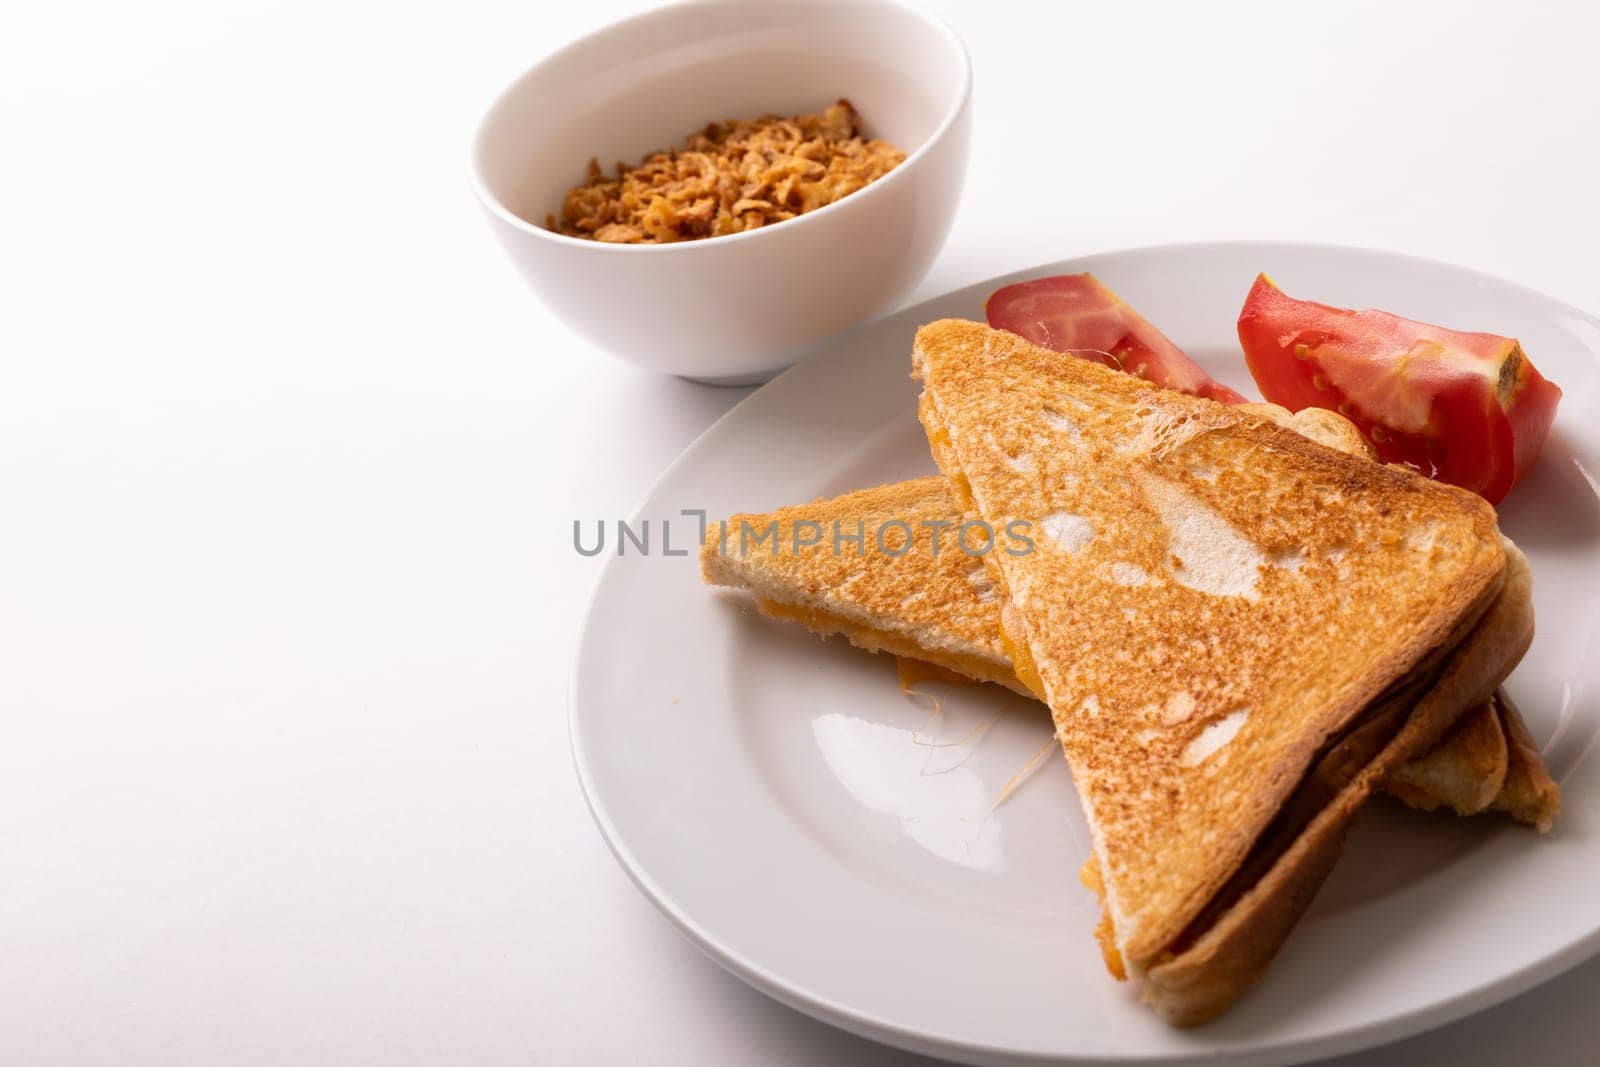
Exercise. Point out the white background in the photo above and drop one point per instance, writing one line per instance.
(289, 461)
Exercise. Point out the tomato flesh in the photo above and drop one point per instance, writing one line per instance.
(1466, 408)
(1075, 314)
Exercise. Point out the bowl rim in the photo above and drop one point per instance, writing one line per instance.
(499, 210)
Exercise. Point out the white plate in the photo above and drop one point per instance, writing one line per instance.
(832, 842)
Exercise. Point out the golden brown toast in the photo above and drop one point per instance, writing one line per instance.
(921, 597)
(1464, 772)
(1530, 795)
(939, 608)
(1239, 633)
(934, 605)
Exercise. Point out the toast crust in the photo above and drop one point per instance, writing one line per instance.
(1464, 772)
(1530, 795)
(1169, 831)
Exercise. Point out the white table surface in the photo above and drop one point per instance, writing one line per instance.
(289, 461)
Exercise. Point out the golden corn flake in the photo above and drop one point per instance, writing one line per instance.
(732, 177)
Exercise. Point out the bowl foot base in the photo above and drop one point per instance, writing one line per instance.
(758, 378)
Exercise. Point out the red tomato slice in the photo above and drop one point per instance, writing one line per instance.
(1074, 313)
(1465, 408)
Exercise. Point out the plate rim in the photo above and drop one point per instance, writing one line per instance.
(824, 1009)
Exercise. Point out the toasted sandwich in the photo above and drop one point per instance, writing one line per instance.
(931, 603)
(1239, 633)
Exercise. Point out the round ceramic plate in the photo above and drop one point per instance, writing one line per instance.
(842, 846)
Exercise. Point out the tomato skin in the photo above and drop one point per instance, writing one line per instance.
(1466, 408)
(1531, 414)
(1074, 313)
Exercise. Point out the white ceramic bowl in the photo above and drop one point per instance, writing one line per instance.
(737, 308)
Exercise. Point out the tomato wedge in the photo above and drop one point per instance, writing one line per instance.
(1074, 313)
(1465, 408)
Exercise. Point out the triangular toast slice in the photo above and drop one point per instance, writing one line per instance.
(1239, 633)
